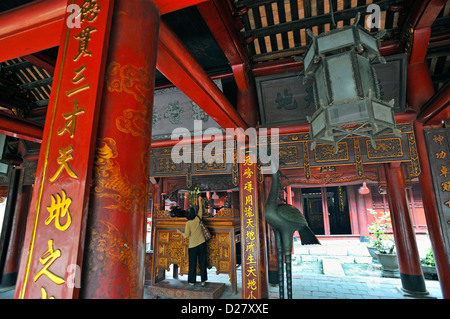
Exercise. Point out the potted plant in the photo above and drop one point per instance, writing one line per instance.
(429, 265)
(378, 230)
(382, 247)
(388, 258)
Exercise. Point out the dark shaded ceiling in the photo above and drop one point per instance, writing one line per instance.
(188, 24)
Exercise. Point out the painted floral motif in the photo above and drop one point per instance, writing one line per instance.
(173, 113)
(156, 117)
(136, 81)
(199, 114)
(109, 246)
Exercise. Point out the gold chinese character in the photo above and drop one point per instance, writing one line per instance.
(248, 172)
(446, 186)
(78, 90)
(84, 37)
(47, 259)
(250, 259)
(441, 155)
(251, 284)
(447, 203)
(250, 296)
(438, 139)
(59, 208)
(71, 120)
(62, 161)
(248, 211)
(44, 294)
(248, 186)
(78, 76)
(89, 10)
(250, 235)
(248, 161)
(248, 200)
(250, 223)
(251, 271)
(444, 171)
(250, 247)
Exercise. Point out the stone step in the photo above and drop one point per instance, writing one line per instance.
(331, 250)
(332, 267)
(179, 289)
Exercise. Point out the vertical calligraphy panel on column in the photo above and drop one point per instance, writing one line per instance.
(439, 157)
(252, 260)
(55, 231)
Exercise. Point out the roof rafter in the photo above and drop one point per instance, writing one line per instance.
(310, 22)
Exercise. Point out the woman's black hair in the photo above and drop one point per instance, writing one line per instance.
(190, 213)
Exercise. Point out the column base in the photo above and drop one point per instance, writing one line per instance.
(414, 286)
(415, 294)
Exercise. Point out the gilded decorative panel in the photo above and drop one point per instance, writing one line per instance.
(386, 148)
(202, 161)
(288, 155)
(415, 165)
(165, 166)
(295, 152)
(172, 248)
(326, 153)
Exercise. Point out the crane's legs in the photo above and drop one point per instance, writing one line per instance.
(289, 275)
(280, 258)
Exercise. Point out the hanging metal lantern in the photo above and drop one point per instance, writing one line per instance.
(346, 89)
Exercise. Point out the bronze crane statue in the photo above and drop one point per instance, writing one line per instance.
(285, 219)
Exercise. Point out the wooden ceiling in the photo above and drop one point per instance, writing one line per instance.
(277, 29)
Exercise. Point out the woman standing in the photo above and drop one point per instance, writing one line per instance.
(197, 244)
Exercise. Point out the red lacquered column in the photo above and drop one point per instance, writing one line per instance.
(411, 273)
(115, 242)
(12, 260)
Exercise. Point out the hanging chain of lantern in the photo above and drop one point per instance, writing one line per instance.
(345, 86)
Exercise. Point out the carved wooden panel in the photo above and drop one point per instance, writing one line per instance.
(171, 248)
(295, 152)
(195, 159)
(219, 252)
(438, 144)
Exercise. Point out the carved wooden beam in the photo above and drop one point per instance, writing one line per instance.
(20, 128)
(179, 66)
(219, 18)
(418, 27)
(36, 26)
(437, 109)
